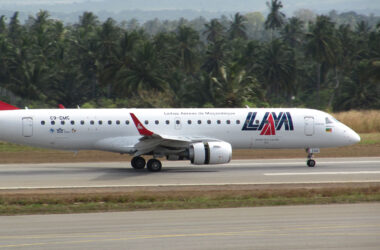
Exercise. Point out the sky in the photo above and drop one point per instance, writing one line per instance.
(207, 4)
(290, 6)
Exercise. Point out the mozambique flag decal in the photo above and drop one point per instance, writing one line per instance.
(328, 130)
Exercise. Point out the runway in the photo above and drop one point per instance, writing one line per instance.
(120, 174)
(352, 226)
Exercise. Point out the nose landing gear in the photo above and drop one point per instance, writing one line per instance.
(310, 153)
(310, 163)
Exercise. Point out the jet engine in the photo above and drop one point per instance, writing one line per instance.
(210, 153)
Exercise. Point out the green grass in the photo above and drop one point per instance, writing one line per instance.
(370, 138)
(12, 204)
(11, 147)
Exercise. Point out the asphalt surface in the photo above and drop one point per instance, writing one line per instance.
(353, 226)
(119, 174)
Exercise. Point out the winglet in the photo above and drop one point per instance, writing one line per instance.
(142, 130)
(6, 106)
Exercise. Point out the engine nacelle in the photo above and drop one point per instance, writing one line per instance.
(210, 153)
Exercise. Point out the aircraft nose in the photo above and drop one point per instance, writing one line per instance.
(354, 137)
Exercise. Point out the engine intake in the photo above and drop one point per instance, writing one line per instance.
(210, 153)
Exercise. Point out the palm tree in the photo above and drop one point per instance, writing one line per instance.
(188, 40)
(214, 31)
(292, 33)
(237, 27)
(278, 69)
(363, 28)
(84, 43)
(3, 26)
(144, 73)
(15, 29)
(165, 44)
(88, 21)
(233, 87)
(275, 18)
(215, 57)
(321, 46)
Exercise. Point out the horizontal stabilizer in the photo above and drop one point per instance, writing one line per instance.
(6, 106)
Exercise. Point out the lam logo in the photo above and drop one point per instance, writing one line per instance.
(270, 123)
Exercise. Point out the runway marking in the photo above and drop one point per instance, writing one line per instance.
(323, 173)
(232, 163)
(257, 232)
(296, 162)
(192, 184)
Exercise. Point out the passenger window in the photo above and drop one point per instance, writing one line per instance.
(92, 122)
(42, 122)
(228, 122)
(167, 122)
(189, 122)
(218, 121)
(257, 122)
(82, 122)
(126, 122)
(63, 122)
(146, 122)
(156, 122)
(199, 122)
(100, 122)
(72, 122)
(177, 122)
(118, 122)
(109, 122)
(237, 121)
(52, 122)
(208, 121)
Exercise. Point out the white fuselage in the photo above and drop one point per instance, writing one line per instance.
(114, 130)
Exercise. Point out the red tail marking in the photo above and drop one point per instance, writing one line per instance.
(142, 130)
(6, 106)
(61, 106)
(269, 128)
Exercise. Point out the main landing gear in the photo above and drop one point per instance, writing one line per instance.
(310, 153)
(153, 165)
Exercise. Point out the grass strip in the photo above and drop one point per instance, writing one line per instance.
(13, 204)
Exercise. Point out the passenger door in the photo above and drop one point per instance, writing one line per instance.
(309, 125)
(27, 126)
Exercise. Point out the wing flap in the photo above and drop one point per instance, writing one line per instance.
(151, 141)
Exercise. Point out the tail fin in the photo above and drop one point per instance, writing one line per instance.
(61, 106)
(6, 106)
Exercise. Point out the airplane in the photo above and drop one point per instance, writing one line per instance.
(201, 135)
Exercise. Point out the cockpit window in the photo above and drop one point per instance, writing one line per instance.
(328, 120)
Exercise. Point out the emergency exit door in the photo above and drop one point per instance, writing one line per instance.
(309, 125)
(27, 126)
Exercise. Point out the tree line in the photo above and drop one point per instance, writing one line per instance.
(218, 63)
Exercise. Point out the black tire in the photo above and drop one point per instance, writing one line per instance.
(311, 163)
(138, 162)
(154, 165)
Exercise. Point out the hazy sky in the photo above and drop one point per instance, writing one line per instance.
(43, 1)
(290, 6)
(305, 3)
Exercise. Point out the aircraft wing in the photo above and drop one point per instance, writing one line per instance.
(151, 141)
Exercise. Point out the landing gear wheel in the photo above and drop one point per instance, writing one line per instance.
(311, 163)
(154, 165)
(138, 162)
